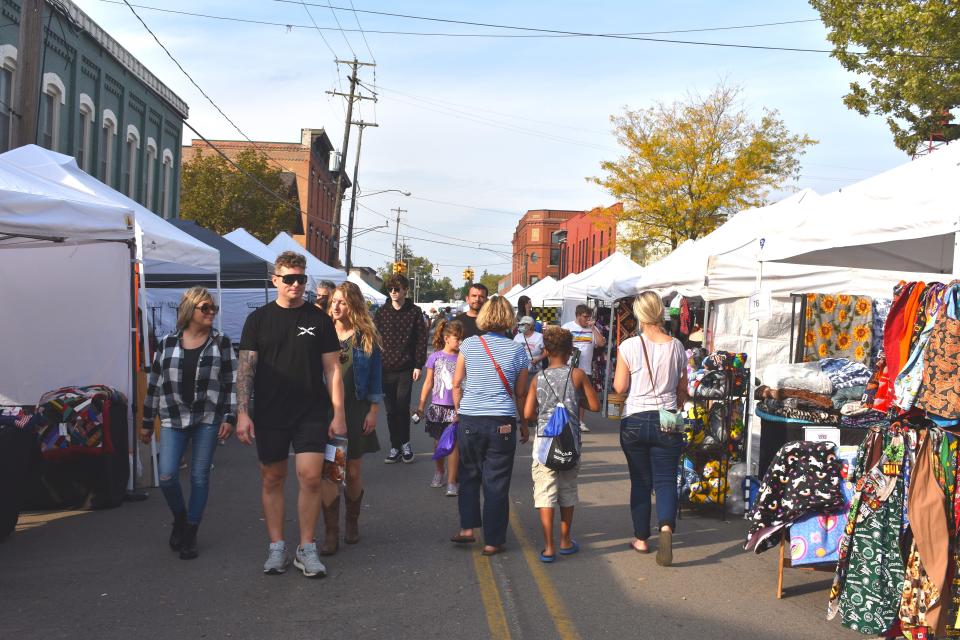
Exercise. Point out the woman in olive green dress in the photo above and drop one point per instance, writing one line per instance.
(360, 367)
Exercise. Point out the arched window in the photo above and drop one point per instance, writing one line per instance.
(166, 186)
(8, 66)
(130, 166)
(108, 135)
(53, 97)
(87, 118)
(148, 178)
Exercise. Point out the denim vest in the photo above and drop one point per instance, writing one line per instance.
(368, 374)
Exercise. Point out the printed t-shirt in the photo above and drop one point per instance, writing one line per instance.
(583, 339)
(533, 346)
(289, 386)
(443, 365)
(483, 391)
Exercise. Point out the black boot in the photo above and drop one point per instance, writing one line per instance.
(176, 536)
(188, 549)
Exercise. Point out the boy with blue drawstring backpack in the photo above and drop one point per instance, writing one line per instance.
(552, 402)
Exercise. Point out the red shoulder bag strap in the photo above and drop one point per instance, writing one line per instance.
(503, 378)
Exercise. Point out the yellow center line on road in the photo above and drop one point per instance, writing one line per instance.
(496, 618)
(551, 598)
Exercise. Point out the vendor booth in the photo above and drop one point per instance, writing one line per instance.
(244, 279)
(69, 293)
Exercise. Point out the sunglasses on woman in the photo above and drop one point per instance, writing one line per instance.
(290, 278)
(207, 308)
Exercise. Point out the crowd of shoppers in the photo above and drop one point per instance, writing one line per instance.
(310, 378)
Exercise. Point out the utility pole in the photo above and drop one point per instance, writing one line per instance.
(27, 75)
(396, 236)
(351, 98)
(353, 194)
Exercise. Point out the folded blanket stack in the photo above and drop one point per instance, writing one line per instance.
(811, 391)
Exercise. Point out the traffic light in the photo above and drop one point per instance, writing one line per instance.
(468, 274)
(400, 267)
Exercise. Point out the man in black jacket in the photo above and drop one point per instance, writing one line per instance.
(404, 336)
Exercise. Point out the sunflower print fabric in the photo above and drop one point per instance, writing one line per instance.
(838, 326)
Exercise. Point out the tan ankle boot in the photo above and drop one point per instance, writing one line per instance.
(352, 533)
(331, 521)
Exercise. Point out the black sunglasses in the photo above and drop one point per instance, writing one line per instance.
(395, 289)
(290, 278)
(208, 308)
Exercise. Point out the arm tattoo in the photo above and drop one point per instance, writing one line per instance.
(245, 375)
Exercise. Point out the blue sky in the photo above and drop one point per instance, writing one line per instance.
(501, 125)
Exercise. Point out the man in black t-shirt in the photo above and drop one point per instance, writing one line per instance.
(288, 381)
(475, 299)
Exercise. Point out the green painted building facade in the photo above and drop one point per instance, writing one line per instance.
(98, 104)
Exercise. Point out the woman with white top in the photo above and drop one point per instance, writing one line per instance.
(652, 368)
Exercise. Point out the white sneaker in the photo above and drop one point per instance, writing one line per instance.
(277, 559)
(584, 428)
(437, 481)
(308, 561)
(453, 490)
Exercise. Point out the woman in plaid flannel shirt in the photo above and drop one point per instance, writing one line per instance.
(191, 390)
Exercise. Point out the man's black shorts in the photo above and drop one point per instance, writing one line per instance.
(273, 443)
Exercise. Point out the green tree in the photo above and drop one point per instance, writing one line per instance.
(218, 197)
(906, 55)
(491, 281)
(420, 273)
(691, 164)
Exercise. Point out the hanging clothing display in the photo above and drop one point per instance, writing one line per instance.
(941, 371)
(838, 326)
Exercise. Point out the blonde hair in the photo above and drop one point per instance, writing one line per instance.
(648, 308)
(358, 316)
(496, 315)
(192, 298)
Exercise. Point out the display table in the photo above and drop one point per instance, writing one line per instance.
(774, 435)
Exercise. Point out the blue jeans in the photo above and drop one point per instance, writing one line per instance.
(486, 460)
(652, 457)
(173, 442)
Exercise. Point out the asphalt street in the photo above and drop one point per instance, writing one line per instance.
(109, 574)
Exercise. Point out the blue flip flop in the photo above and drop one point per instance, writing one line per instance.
(545, 558)
(569, 551)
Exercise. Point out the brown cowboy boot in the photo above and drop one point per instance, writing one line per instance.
(352, 534)
(331, 521)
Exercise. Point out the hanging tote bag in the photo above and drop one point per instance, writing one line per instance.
(447, 442)
(670, 421)
(940, 390)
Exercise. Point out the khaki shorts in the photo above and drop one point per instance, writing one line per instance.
(552, 488)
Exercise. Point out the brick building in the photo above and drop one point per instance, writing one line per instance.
(98, 104)
(536, 250)
(316, 184)
(587, 238)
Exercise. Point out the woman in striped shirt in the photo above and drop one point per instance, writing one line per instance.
(489, 382)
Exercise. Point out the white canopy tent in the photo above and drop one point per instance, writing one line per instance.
(370, 294)
(58, 237)
(316, 268)
(536, 292)
(246, 241)
(161, 246)
(601, 281)
(517, 288)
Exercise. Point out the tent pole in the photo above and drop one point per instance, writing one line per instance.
(219, 303)
(754, 368)
(137, 307)
(706, 323)
(606, 375)
(956, 250)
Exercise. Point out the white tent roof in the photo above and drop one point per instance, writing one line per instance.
(159, 243)
(517, 288)
(246, 241)
(685, 269)
(536, 292)
(369, 293)
(905, 219)
(316, 268)
(599, 281)
(37, 208)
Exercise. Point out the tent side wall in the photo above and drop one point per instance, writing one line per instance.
(80, 296)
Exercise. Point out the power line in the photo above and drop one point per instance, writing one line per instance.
(288, 25)
(339, 26)
(448, 244)
(322, 37)
(440, 235)
(364, 36)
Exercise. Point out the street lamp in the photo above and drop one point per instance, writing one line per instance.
(376, 193)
